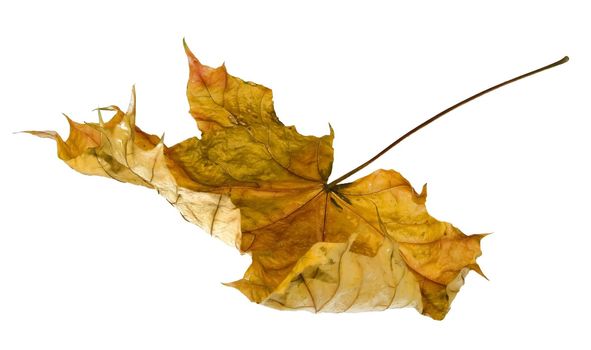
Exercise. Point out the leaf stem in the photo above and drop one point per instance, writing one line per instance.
(441, 114)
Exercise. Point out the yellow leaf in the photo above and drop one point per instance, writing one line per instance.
(262, 187)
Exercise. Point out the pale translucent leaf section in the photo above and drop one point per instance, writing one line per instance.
(119, 150)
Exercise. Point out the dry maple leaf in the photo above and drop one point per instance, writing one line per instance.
(263, 187)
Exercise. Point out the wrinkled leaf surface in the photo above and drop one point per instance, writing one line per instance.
(261, 186)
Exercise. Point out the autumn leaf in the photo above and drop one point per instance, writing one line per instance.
(263, 187)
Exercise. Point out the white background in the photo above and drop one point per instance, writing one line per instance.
(89, 263)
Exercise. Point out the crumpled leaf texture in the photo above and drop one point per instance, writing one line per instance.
(261, 186)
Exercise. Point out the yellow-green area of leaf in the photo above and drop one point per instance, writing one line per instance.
(263, 187)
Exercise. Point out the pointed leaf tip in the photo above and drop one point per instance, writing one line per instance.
(476, 268)
(48, 134)
(132, 101)
(100, 117)
(189, 53)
